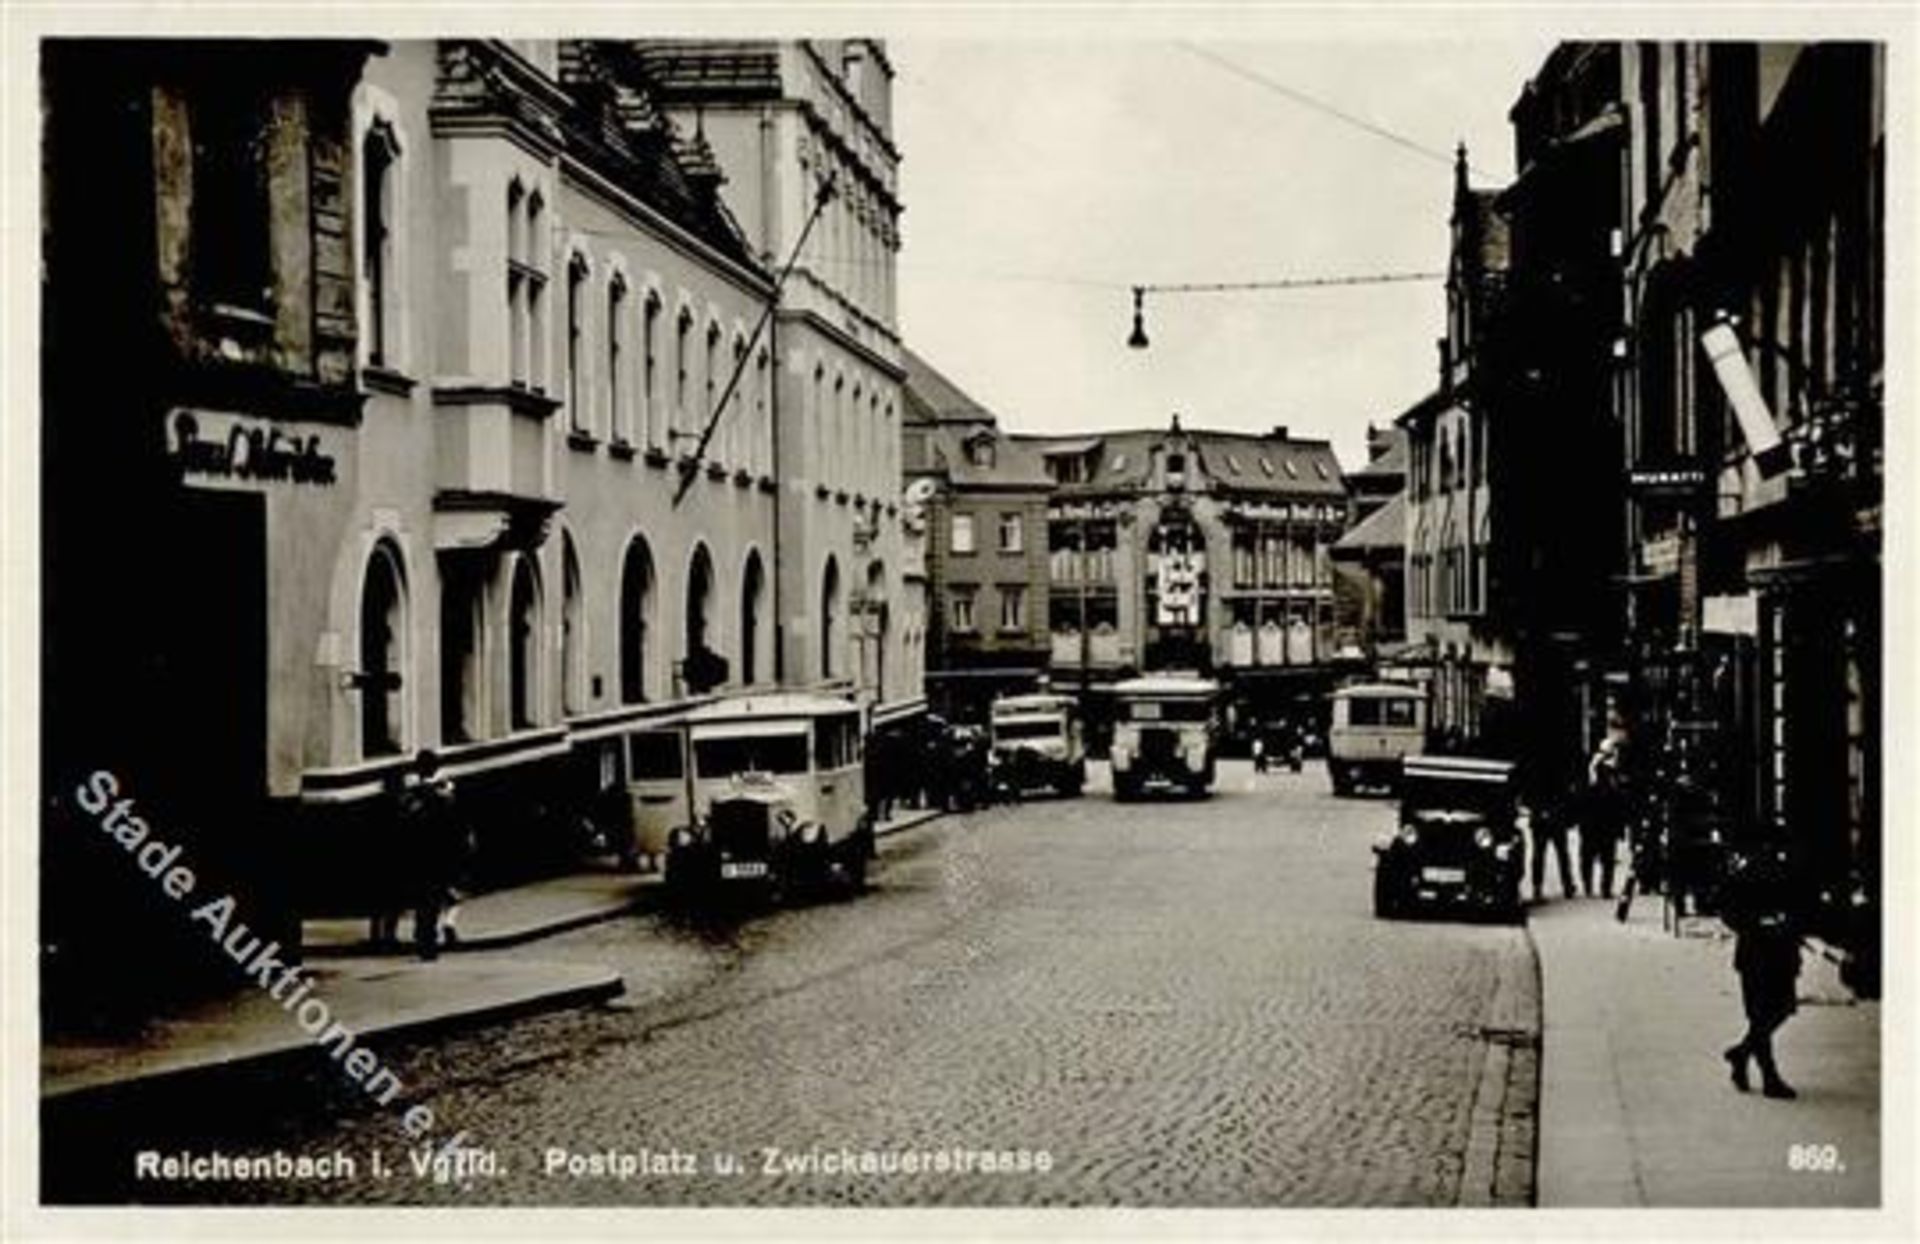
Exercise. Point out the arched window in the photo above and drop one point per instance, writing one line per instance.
(576, 331)
(682, 346)
(618, 413)
(753, 586)
(383, 650)
(523, 645)
(636, 621)
(572, 638)
(830, 637)
(656, 426)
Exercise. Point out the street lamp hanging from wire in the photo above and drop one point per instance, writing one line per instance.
(1137, 339)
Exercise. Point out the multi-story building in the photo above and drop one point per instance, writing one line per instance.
(1167, 549)
(804, 134)
(1554, 356)
(1369, 558)
(1451, 534)
(1753, 192)
(204, 438)
(457, 428)
(987, 557)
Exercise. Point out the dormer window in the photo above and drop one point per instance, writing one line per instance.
(1266, 464)
(1176, 464)
(1293, 472)
(1233, 464)
(980, 451)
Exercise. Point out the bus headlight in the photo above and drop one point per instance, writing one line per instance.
(1483, 838)
(1408, 835)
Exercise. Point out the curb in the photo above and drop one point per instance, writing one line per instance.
(1500, 1168)
(902, 824)
(501, 940)
(290, 1053)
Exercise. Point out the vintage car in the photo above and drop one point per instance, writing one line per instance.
(1166, 730)
(771, 791)
(1037, 743)
(1457, 848)
(1373, 726)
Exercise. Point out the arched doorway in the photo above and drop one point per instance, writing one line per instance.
(636, 620)
(753, 585)
(523, 645)
(699, 669)
(830, 637)
(383, 632)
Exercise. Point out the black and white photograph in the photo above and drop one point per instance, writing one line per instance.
(630, 610)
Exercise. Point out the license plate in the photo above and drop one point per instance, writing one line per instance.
(743, 871)
(1444, 876)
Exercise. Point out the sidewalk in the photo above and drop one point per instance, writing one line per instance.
(374, 998)
(384, 995)
(1636, 1105)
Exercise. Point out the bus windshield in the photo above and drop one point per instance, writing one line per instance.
(1169, 710)
(1050, 728)
(768, 753)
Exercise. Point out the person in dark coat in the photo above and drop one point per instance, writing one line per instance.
(1766, 954)
(434, 847)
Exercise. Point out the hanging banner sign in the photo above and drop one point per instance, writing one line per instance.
(1179, 588)
(215, 450)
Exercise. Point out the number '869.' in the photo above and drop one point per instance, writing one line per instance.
(1814, 1158)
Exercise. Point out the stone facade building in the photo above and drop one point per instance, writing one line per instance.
(780, 121)
(987, 558)
(449, 398)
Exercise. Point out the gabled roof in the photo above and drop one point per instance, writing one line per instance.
(1392, 463)
(1385, 528)
(932, 398)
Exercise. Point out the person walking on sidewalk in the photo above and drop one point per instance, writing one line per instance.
(1766, 954)
(1547, 828)
(1605, 814)
(435, 849)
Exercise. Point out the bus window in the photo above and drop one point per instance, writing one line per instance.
(836, 741)
(654, 755)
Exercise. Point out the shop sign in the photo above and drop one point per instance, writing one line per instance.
(218, 450)
(1730, 615)
(1672, 482)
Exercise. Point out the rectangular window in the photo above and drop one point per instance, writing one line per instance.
(1012, 538)
(962, 534)
(232, 130)
(1013, 608)
(962, 606)
(378, 153)
(654, 755)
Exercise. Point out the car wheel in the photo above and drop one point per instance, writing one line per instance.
(686, 872)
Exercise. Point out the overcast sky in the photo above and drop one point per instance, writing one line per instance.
(1041, 179)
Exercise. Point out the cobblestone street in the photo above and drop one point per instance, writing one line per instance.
(1182, 1003)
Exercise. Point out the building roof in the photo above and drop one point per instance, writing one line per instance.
(954, 421)
(1390, 463)
(1385, 528)
(1230, 461)
(932, 398)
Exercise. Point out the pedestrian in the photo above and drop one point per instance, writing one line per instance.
(1603, 817)
(1547, 829)
(392, 888)
(436, 848)
(1766, 955)
(1259, 754)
